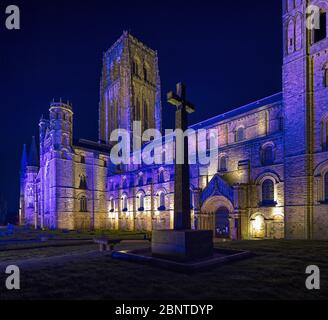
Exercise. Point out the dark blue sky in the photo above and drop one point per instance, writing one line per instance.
(227, 52)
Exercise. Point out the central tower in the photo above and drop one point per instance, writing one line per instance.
(130, 88)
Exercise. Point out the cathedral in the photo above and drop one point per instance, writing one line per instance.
(270, 178)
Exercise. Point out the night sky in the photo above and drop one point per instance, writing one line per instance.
(228, 53)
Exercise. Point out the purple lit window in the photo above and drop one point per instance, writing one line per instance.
(161, 177)
(268, 155)
(124, 203)
(161, 197)
(267, 192)
(240, 134)
(223, 164)
(141, 202)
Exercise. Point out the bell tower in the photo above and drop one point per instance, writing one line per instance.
(129, 88)
(304, 89)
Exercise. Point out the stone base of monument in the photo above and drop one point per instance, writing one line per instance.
(182, 251)
(182, 245)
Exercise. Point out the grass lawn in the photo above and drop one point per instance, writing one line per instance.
(276, 272)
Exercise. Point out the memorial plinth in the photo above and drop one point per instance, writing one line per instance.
(182, 245)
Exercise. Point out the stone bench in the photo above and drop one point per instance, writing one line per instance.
(106, 244)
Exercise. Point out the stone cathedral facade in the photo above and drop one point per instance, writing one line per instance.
(270, 180)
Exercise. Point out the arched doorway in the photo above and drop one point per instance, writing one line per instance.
(258, 228)
(222, 223)
(217, 214)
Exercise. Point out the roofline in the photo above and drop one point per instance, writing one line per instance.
(239, 111)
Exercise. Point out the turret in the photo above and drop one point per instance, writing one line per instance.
(61, 123)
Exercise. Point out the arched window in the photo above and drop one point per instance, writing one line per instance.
(324, 133)
(140, 181)
(124, 203)
(145, 114)
(141, 201)
(267, 157)
(291, 36)
(161, 177)
(161, 201)
(240, 134)
(326, 76)
(112, 205)
(83, 204)
(223, 164)
(30, 197)
(145, 71)
(137, 111)
(83, 183)
(326, 187)
(135, 68)
(321, 33)
(268, 192)
(298, 32)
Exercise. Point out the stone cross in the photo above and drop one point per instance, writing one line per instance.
(182, 215)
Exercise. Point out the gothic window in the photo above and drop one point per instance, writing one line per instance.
(298, 32)
(291, 36)
(83, 204)
(135, 68)
(145, 114)
(326, 187)
(141, 202)
(161, 177)
(30, 197)
(268, 192)
(145, 74)
(161, 201)
(326, 77)
(223, 164)
(267, 157)
(321, 33)
(137, 110)
(240, 134)
(82, 159)
(124, 203)
(83, 183)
